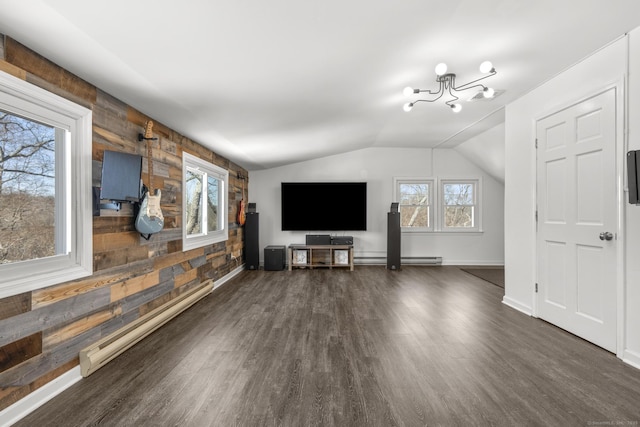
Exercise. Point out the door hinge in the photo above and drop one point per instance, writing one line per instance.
(536, 143)
(536, 288)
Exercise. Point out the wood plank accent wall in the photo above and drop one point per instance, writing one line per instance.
(41, 332)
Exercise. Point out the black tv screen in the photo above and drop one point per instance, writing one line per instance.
(324, 206)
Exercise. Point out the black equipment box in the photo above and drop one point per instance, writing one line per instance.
(318, 239)
(342, 240)
(275, 258)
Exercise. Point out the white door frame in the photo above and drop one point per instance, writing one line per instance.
(621, 188)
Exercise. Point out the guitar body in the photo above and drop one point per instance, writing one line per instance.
(242, 216)
(150, 219)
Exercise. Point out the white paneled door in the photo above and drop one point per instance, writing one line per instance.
(577, 211)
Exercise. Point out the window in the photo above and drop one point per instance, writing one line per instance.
(459, 205)
(45, 188)
(415, 198)
(204, 204)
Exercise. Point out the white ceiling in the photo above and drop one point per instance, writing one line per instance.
(271, 82)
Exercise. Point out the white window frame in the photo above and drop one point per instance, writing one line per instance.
(397, 181)
(477, 211)
(74, 220)
(205, 238)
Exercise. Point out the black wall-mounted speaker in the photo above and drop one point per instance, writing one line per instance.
(633, 179)
(251, 243)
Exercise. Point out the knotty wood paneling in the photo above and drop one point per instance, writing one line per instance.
(18, 351)
(13, 70)
(134, 285)
(22, 325)
(40, 69)
(57, 335)
(41, 332)
(112, 241)
(14, 305)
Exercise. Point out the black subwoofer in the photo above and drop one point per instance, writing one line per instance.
(275, 258)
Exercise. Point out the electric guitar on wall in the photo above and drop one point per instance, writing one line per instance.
(242, 216)
(150, 219)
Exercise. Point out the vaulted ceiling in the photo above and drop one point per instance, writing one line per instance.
(271, 82)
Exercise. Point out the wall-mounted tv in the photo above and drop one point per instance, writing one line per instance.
(324, 206)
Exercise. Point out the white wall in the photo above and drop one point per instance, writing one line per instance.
(487, 151)
(378, 166)
(603, 69)
(632, 236)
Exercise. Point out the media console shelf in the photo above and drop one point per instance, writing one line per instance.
(320, 256)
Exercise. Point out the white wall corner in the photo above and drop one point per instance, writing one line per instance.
(516, 305)
(631, 358)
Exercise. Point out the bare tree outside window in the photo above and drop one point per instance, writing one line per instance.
(414, 204)
(27, 189)
(459, 204)
(213, 186)
(194, 192)
(194, 203)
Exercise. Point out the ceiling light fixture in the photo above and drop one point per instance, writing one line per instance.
(448, 84)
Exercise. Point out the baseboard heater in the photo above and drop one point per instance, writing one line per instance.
(108, 348)
(373, 260)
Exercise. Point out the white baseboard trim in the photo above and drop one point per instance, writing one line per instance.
(224, 279)
(631, 358)
(33, 401)
(463, 263)
(517, 306)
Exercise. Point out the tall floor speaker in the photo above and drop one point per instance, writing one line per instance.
(393, 241)
(251, 244)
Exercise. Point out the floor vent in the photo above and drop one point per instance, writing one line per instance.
(102, 352)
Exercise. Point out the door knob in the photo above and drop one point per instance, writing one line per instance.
(605, 235)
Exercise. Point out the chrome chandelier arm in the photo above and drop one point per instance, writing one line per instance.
(447, 83)
(466, 86)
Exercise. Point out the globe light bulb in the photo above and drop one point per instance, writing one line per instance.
(407, 107)
(456, 108)
(441, 68)
(488, 92)
(486, 67)
(408, 91)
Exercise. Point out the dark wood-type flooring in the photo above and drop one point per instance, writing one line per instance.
(493, 275)
(420, 346)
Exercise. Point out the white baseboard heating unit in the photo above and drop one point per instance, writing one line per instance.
(108, 348)
(378, 260)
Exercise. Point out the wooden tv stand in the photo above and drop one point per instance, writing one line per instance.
(320, 256)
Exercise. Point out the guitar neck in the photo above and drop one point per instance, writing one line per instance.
(150, 166)
(148, 135)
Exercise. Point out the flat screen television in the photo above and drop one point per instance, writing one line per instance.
(324, 206)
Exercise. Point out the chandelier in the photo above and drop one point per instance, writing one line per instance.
(447, 83)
